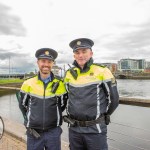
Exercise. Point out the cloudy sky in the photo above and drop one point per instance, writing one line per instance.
(119, 28)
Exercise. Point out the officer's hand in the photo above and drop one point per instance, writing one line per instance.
(107, 119)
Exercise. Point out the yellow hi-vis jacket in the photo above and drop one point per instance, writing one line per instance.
(41, 107)
(92, 94)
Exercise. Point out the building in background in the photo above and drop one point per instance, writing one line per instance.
(131, 65)
(147, 67)
(56, 69)
(111, 66)
(59, 70)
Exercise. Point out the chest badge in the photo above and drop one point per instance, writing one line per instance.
(91, 74)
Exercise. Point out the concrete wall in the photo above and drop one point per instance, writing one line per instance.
(134, 101)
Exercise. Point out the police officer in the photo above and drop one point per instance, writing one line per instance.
(42, 100)
(93, 97)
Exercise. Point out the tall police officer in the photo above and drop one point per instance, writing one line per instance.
(42, 100)
(93, 97)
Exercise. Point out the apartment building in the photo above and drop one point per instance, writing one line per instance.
(133, 65)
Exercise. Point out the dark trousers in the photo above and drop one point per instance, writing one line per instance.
(87, 141)
(50, 140)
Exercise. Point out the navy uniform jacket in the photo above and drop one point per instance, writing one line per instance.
(92, 94)
(41, 108)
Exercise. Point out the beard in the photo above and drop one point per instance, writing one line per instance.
(45, 70)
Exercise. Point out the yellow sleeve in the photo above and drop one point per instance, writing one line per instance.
(107, 75)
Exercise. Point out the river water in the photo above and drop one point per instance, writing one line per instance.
(130, 127)
(134, 88)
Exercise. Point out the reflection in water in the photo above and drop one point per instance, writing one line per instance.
(4, 92)
(134, 88)
(9, 108)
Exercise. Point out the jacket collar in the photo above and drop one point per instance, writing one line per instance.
(51, 75)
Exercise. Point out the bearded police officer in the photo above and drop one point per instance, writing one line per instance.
(42, 100)
(93, 97)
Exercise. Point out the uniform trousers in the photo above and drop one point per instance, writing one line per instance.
(87, 141)
(49, 140)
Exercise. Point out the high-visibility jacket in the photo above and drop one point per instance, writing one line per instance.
(92, 94)
(42, 108)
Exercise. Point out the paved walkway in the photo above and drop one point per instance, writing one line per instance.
(15, 139)
(10, 143)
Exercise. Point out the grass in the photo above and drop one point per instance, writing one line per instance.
(11, 80)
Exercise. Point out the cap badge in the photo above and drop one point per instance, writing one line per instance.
(78, 42)
(46, 52)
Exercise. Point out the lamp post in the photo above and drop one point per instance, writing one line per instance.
(9, 67)
(63, 70)
(60, 72)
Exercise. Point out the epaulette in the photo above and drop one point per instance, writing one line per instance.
(97, 64)
(73, 72)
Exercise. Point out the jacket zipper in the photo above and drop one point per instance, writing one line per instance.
(44, 107)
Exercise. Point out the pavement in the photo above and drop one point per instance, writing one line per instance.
(15, 138)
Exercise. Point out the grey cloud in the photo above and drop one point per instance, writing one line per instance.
(106, 59)
(18, 45)
(5, 55)
(20, 63)
(133, 44)
(64, 58)
(50, 3)
(2, 50)
(10, 24)
(23, 68)
(60, 37)
(24, 65)
(99, 40)
(133, 40)
(64, 61)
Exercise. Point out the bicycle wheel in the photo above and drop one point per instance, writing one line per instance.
(1, 127)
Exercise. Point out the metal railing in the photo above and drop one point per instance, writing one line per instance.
(1, 127)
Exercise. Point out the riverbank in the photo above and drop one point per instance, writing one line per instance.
(17, 84)
(134, 101)
(10, 84)
(11, 80)
(133, 77)
(9, 88)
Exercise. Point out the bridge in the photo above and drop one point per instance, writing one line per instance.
(21, 76)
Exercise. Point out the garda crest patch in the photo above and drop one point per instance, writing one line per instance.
(91, 74)
(78, 42)
(46, 52)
